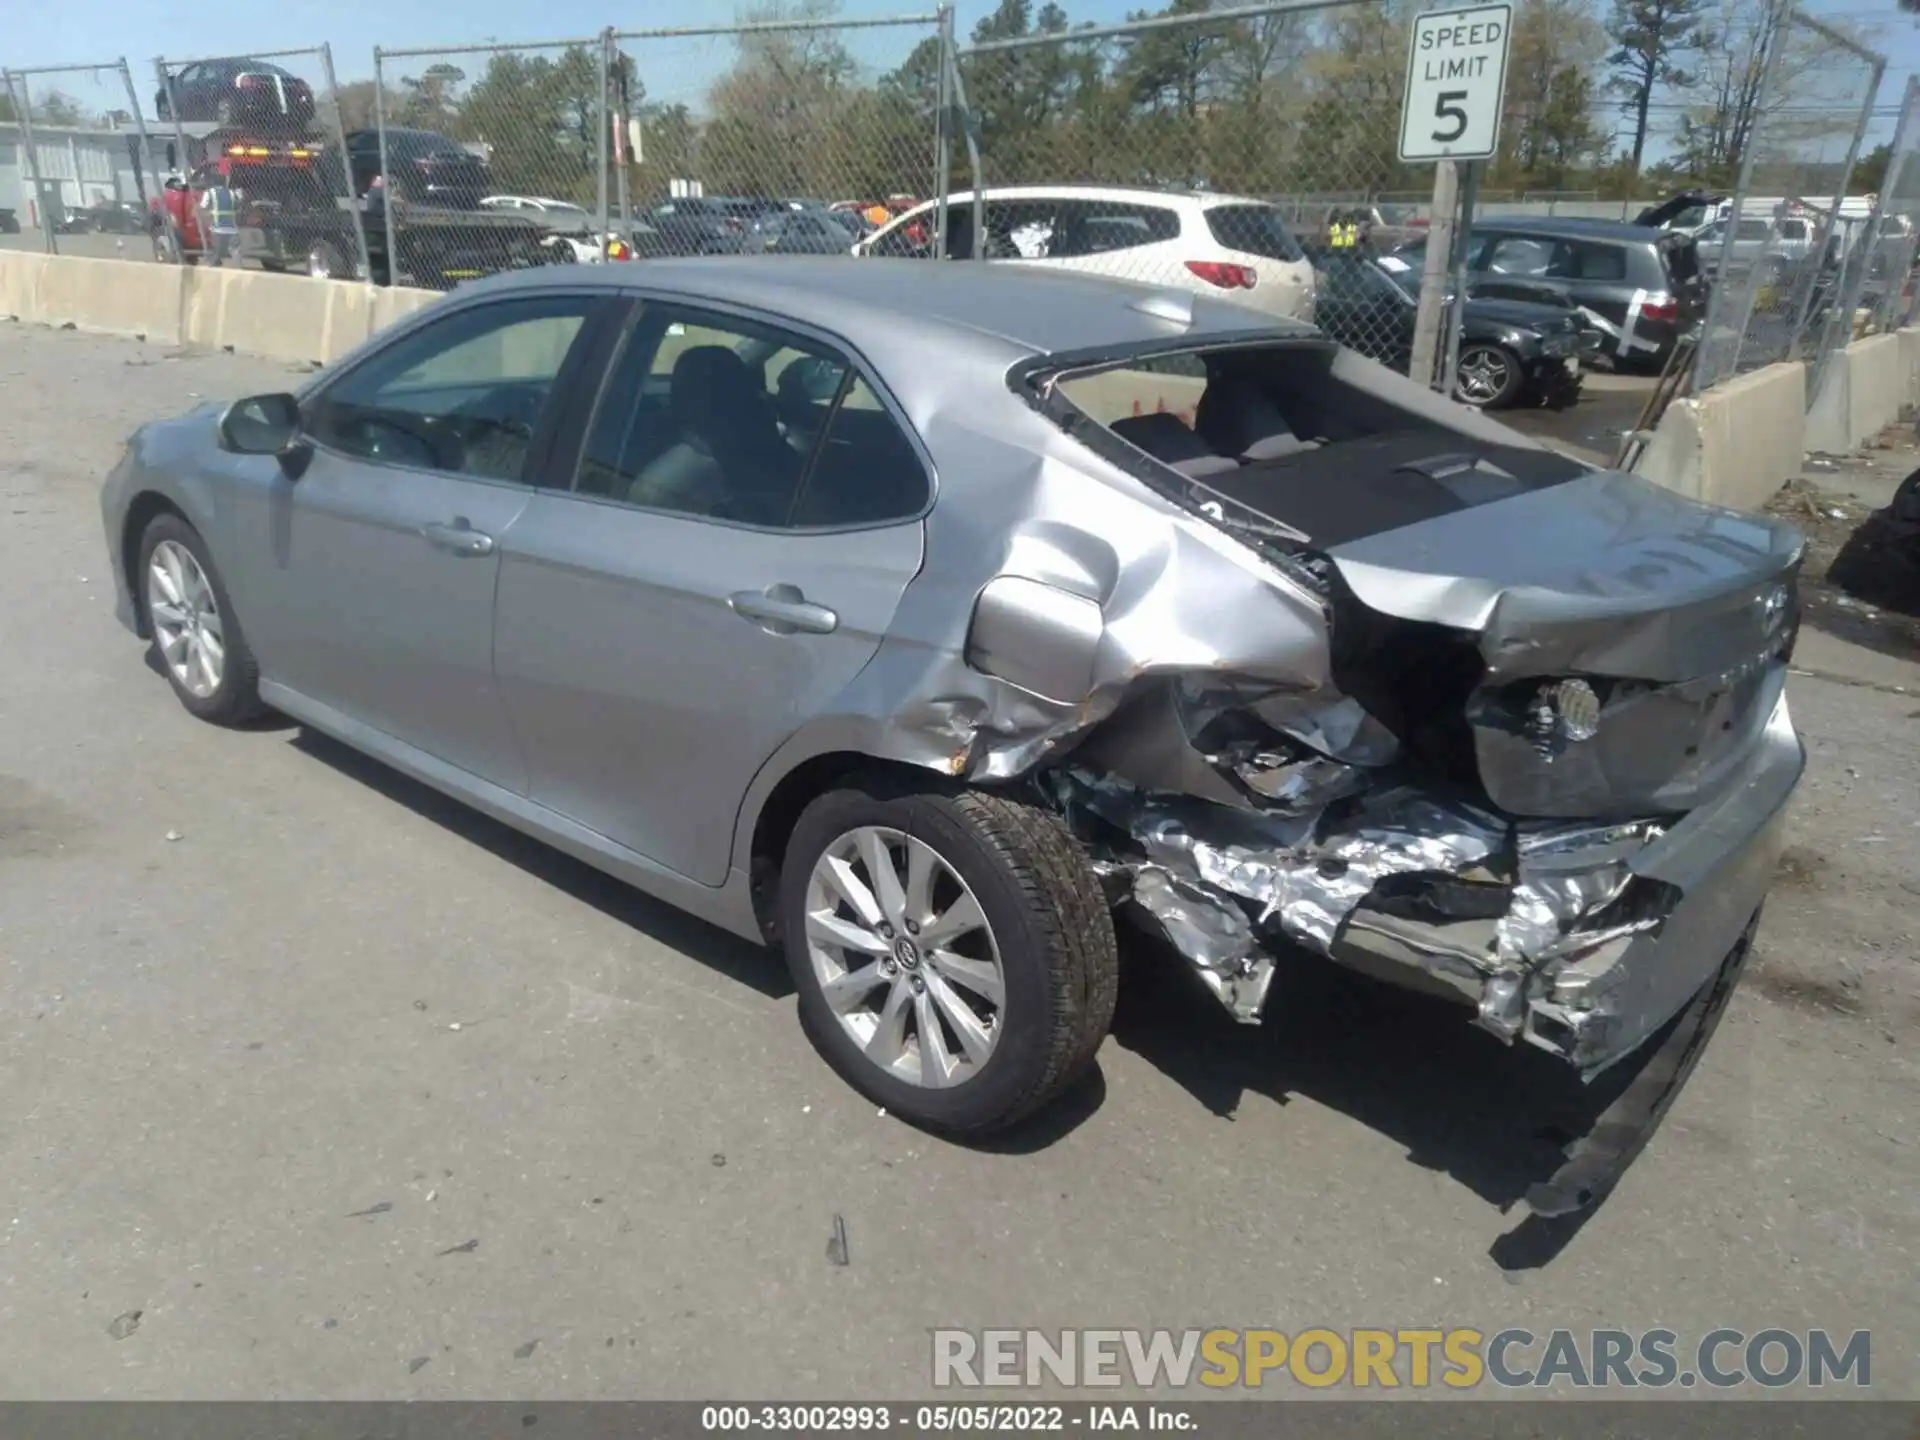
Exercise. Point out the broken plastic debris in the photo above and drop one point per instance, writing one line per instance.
(837, 1243)
(455, 1025)
(173, 835)
(121, 1326)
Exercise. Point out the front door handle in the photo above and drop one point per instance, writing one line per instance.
(458, 539)
(783, 610)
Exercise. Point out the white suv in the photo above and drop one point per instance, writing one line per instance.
(1227, 246)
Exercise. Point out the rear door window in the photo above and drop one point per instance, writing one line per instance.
(1587, 260)
(866, 471)
(1099, 227)
(1253, 230)
(1520, 255)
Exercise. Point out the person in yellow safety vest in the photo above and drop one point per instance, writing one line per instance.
(1342, 233)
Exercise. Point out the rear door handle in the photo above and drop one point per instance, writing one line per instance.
(458, 539)
(783, 610)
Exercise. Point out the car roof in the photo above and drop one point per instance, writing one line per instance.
(1572, 227)
(1134, 193)
(873, 302)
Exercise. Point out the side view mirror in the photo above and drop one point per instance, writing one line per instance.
(261, 425)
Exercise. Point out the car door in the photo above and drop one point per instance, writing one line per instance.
(720, 567)
(373, 566)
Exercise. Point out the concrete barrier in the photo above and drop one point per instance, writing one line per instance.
(111, 296)
(1862, 389)
(20, 284)
(283, 317)
(1735, 445)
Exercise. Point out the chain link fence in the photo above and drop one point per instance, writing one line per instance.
(85, 167)
(1780, 255)
(1282, 121)
(786, 136)
(489, 157)
(256, 150)
(1887, 293)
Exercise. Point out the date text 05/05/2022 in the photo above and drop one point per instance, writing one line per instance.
(963, 1418)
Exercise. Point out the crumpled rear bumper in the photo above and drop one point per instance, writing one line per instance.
(1596, 1006)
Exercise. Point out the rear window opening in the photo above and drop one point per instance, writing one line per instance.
(1301, 433)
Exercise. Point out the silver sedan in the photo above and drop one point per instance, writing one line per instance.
(916, 617)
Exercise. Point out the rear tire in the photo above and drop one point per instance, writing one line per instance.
(1044, 929)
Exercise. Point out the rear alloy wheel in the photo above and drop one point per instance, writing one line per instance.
(954, 953)
(196, 636)
(325, 262)
(1489, 377)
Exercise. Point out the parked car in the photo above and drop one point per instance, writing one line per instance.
(1221, 245)
(1640, 286)
(808, 230)
(875, 611)
(104, 217)
(698, 225)
(572, 227)
(1738, 244)
(235, 90)
(425, 169)
(1511, 352)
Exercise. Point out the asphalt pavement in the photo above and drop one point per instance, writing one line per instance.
(318, 1086)
(1597, 425)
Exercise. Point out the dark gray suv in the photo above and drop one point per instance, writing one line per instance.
(1640, 287)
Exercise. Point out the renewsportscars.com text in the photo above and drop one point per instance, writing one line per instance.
(1456, 1359)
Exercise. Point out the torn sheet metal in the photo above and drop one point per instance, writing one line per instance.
(1226, 883)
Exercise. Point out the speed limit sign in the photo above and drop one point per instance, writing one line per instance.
(1456, 80)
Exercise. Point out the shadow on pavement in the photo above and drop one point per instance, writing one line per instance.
(1499, 1120)
(725, 954)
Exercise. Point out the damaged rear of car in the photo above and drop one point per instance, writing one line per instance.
(1531, 751)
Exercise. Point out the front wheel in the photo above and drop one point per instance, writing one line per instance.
(196, 636)
(954, 953)
(1489, 376)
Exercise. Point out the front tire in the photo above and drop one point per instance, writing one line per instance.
(954, 953)
(1489, 377)
(196, 635)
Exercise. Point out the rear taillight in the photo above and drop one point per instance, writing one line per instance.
(1660, 308)
(1226, 276)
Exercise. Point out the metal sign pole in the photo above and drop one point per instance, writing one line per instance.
(1462, 248)
(1430, 318)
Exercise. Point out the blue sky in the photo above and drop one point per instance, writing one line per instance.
(72, 31)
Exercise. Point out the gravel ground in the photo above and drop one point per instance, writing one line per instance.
(318, 1086)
